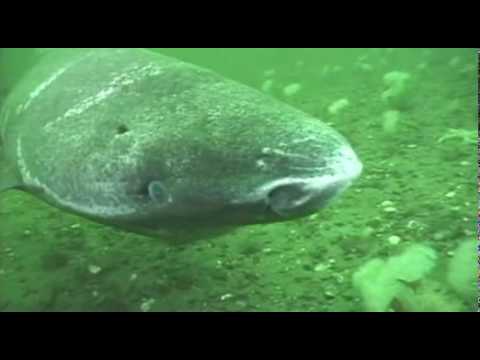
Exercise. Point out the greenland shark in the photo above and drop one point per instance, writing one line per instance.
(158, 146)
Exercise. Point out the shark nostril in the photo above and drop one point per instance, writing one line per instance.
(286, 198)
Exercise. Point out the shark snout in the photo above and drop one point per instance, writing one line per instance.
(293, 197)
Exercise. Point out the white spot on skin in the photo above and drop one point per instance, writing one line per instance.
(306, 139)
(129, 76)
(89, 102)
(41, 88)
(270, 151)
(90, 207)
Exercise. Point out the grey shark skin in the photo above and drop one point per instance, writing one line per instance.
(157, 146)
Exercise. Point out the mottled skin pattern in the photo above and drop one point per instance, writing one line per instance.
(89, 130)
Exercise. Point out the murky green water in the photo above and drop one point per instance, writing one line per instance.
(402, 238)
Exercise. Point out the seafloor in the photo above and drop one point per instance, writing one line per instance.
(418, 186)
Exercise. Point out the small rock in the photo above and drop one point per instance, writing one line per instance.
(394, 240)
(390, 209)
(367, 232)
(241, 303)
(226, 297)
(338, 106)
(267, 85)
(325, 70)
(468, 68)
(362, 58)
(329, 294)
(146, 305)
(269, 72)
(320, 267)
(292, 89)
(364, 67)
(454, 61)
(451, 194)
(75, 226)
(390, 121)
(94, 269)
(412, 224)
(313, 217)
(386, 203)
(422, 66)
(426, 53)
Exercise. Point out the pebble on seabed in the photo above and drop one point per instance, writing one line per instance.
(267, 85)
(394, 240)
(292, 89)
(94, 269)
(386, 203)
(226, 297)
(329, 294)
(338, 106)
(146, 305)
(320, 267)
(451, 194)
(269, 72)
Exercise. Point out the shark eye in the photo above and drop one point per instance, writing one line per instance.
(158, 192)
